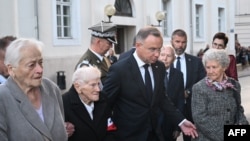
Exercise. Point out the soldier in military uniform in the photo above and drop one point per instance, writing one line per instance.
(102, 39)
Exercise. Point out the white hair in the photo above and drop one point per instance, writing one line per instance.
(13, 53)
(85, 74)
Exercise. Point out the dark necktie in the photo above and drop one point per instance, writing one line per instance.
(148, 82)
(166, 81)
(178, 64)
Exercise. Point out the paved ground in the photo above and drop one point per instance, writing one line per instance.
(244, 79)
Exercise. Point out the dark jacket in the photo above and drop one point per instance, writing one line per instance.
(134, 113)
(85, 128)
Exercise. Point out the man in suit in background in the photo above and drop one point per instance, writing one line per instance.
(191, 67)
(102, 39)
(174, 85)
(135, 88)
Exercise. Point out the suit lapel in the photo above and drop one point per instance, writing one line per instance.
(189, 70)
(79, 109)
(137, 77)
(99, 111)
(156, 79)
(48, 108)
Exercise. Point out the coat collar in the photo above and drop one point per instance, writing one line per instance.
(29, 112)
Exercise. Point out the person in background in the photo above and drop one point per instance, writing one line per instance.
(220, 41)
(111, 56)
(129, 52)
(174, 85)
(202, 51)
(216, 99)
(191, 67)
(85, 107)
(31, 107)
(102, 39)
(4, 42)
(135, 88)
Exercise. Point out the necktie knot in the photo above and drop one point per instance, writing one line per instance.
(145, 66)
(178, 57)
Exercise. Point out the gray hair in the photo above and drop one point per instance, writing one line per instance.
(85, 74)
(13, 53)
(218, 55)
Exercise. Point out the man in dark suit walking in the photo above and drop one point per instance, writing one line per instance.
(191, 67)
(174, 85)
(136, 109)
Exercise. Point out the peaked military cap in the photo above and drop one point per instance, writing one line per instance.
(104, 30)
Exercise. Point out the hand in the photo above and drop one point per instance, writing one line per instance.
(176, 134)
(189, 129)
(70, 128)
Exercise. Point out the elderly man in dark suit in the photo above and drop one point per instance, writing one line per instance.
(102, 39)
(174, 85)
(135, 88)
(85, 107)
(191, 67)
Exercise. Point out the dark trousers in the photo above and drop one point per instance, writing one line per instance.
(152, 136)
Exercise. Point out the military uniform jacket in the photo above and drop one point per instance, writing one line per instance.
(90, 58)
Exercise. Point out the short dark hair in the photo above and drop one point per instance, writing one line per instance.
(221, 36)
(179, 32)
(5, 41)
(145, 32)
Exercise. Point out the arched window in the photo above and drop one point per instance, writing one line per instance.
(123, 8)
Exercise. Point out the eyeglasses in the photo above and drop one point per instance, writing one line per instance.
(219, 46)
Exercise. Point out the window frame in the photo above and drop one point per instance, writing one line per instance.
(74, 22)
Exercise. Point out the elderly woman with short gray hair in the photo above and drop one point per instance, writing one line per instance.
(31, 107)
(216, 99)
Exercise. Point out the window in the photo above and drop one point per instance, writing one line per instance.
(167, 26)
(198, 21)
(221, 19)
(123, 8)
(66, 27)
(63, 12)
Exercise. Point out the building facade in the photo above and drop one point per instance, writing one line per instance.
(62, 25)
(242, 22)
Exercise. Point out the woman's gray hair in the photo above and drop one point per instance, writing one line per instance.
(14, 50)
(218, 55)
(85, 74)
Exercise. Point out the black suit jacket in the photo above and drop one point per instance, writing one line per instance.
(133, 113)
(175, 92)
(127, 53)
(176, 88)
(85, 128)
(195, 72)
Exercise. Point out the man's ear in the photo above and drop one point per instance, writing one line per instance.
(77, 86)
